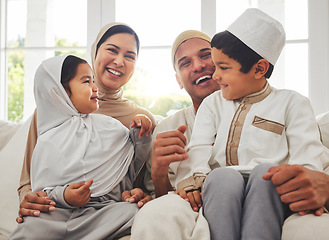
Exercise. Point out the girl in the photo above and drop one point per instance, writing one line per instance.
(114, 55)
(82, 161)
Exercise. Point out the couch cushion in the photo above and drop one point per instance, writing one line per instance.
(11, 159)
(7, 129)
(323, 122)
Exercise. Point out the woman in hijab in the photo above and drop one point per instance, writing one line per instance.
(113, 55)
(83, 161)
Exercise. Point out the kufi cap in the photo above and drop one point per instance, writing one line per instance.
(260, 32)
(185, 36)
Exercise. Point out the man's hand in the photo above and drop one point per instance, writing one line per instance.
(33, 204)
(303, 189)
(136, 196)
(168, 147)
(78, 194)
(193, 197)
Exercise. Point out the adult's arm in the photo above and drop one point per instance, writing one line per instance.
(303, 189)
(168, 147)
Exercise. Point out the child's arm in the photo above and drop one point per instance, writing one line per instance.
(193, 197)
(142, 121)
(78, 194)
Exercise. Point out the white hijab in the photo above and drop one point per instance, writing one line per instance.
(74, 147)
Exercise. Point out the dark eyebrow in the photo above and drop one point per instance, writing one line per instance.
(205, 49)
(115, 46)
(201, 50)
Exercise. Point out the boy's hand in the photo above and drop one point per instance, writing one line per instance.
(136, 195)
(193, 197)
(78, 194)
(142, 121)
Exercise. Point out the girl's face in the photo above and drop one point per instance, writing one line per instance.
(84, 93)
(115, 60)
(234, 83)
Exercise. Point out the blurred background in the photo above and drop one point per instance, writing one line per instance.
(33, 30)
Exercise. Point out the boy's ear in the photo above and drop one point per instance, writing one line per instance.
(179, 81)
(261, 68)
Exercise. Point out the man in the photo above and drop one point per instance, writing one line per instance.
(191, 58)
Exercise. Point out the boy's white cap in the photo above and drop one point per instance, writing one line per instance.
(260, 32)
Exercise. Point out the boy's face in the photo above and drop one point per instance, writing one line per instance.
(234, 83)
(84, 95)
(194, 69)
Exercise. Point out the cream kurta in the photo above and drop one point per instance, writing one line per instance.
(271, 126)
(184, 116)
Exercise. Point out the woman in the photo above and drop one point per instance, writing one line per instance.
(114, 54)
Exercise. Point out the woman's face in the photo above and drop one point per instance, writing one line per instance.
(115, 60)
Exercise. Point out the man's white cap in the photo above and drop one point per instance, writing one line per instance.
(260, 32)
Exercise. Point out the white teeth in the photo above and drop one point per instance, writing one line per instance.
(114, 72)
(202, 78)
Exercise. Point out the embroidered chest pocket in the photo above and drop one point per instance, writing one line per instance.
(268, 125)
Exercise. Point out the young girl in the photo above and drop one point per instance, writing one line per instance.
(83, 161)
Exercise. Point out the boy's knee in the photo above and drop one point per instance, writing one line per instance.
(223, 176)
(261, 169)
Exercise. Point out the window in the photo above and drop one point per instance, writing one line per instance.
(32, 30)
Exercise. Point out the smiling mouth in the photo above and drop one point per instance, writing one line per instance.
(202, 79)
(116, 73)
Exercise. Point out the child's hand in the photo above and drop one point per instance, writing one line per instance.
(193, 197)
(78, 194)
(136, 195)
(142, 121)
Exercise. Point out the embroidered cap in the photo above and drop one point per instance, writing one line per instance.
(260, 32)
(185, 36)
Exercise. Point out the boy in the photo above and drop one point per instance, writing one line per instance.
(244, 129)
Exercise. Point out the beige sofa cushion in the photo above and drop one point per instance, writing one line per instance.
(11, 159)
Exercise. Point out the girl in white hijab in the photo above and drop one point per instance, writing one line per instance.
(83, 161)
(115, 41)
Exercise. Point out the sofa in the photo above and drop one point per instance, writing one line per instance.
(12, 146)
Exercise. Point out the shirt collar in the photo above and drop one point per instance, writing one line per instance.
(257, 96)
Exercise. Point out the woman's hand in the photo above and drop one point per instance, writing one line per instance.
(136, 195)
(142, 121)
(193, 197)
(33, 204)
(78, 194)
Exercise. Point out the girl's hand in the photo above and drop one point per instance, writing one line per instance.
(193, 197)
(136, 196)
(78, 194)
(142, 121)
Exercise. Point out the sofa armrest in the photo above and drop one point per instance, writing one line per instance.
(11, 160)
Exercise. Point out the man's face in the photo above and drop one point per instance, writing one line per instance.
(194, 68)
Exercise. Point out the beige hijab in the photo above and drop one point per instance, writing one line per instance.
(112, 102)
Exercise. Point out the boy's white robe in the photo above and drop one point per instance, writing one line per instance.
(286, 132)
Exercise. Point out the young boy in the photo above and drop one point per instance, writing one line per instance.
(244, 129)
